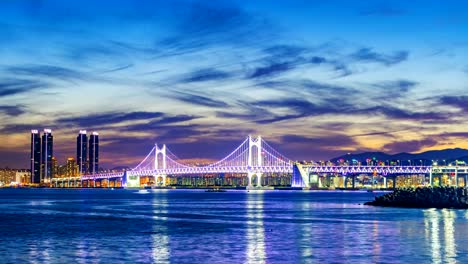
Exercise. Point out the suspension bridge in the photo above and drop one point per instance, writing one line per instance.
(254, 158)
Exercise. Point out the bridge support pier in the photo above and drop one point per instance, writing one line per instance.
(162, 182)
(394, 182)
(249, 180)
(465, 180)
(385, 182)
(259, 180)
(353, 181)
(456, 177)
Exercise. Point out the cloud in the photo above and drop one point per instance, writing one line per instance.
(12, 110)
(201, 25)
(409, 146)
(271, 70)
(337, 65)
(19, 128)
(50, 71)
(331, 145)
(101, 120)
(398, 86)
(299, 107)
(397, 113)
(368, 55)
(284, 51)
(205, 75)
(453, 134)
(160, 124)
(460, 102)
(198, 100)
(9, 87)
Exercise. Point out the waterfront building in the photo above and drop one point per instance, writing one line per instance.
(7, 176)
(35, 165)
(54, 167)
(22, 177)
(47, 151)
(81, 151)
(72, 168)
(93, 153)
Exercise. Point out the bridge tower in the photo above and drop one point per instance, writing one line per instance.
(254, 161)
(160, 151)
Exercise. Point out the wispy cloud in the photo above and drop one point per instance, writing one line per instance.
(409, 146)
(12, 110)
(460, 102)
(369, 55)
(46, 71)
(271, 70)
(205, 75)
(198, 100)
(10, 87)
(101, 120)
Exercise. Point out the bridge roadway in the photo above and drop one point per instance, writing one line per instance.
(300, 171)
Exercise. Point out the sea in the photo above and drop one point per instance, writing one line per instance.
(237, 226)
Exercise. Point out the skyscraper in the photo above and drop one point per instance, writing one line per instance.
(35, 157)
(93, 153)
(47, 151)
(81, 151)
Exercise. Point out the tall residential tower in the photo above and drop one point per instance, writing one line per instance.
(47, 151)
(35, 157)
(93, 153)
(81, 151)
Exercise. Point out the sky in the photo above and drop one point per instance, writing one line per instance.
(316, 79)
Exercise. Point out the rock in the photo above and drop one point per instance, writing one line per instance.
(426, 197)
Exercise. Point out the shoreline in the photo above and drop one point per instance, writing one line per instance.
(424, 197)
(380, 190)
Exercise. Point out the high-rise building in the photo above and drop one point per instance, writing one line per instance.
(35, 157)
(54, 167)
(72, 168)
(93, 153)
(81, 151)
(47, 151)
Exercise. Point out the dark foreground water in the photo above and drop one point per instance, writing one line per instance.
(177, 226)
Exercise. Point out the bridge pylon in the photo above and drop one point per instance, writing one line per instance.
(254, 160)
(157, 166)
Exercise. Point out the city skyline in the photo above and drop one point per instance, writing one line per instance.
(316, 79)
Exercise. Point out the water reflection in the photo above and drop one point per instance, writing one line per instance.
(306, 236)
(443, 249)
(255, 229)
(160, 238)
(449, 230)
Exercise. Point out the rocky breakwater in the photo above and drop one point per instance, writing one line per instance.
(427, 197)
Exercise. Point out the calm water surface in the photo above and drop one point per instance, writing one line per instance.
(179, 226)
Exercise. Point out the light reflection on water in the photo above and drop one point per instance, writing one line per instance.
(255, 230)
(121, 226)
(160, 236)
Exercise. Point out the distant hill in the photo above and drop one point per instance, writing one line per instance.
(449, 155)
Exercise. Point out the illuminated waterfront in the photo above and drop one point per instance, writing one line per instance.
(181, 226)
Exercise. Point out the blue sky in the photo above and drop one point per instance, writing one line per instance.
(315, 79)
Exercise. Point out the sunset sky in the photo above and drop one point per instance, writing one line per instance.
(316, 79)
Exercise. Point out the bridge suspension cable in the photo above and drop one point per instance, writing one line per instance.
(238, 157)
(147, 163)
